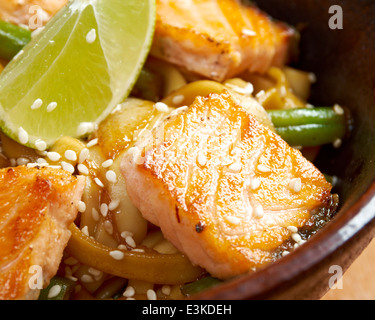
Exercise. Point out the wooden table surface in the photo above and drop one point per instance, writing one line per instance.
(358, 282)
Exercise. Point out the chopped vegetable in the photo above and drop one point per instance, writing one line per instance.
(59, 288)
(12, 39)
(200, 285)
(310, 127)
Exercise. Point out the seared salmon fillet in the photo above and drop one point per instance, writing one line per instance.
(224, 189)
(25, 11)
(219, 38)
(36, 208)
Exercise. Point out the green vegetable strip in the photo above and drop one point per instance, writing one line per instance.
(12, 39)
(200, 285)
(66, 289)
(295, 117)
(312, 135)
(309, 127)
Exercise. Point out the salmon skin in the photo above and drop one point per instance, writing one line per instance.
(224, 189)
(218, 39)
(36, 208)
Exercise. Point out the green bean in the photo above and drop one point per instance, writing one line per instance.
(63, 293)
(294, 117)
(12, 39)
(310, 127)
(200, 285)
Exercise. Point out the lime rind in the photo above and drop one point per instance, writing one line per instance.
(86, 79)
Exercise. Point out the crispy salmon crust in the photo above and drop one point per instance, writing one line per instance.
(219, 38)
(219, 186)
(36, 208)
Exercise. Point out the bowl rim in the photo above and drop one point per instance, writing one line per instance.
(347, 223)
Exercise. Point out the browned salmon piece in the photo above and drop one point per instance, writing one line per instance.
(219, 38)
(225, 190)
(36, 208)
(21, 11)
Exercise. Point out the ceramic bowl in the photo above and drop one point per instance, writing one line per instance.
(344, 63)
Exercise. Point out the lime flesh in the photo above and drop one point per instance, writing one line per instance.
(84, 62)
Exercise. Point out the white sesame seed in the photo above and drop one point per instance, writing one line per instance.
(258, 211)
(85, 230)
(92, 143)
(293, 229)
(95, 272)
(129, 292)
(263, 168)
(22, 161)
(113, 204)
(254, 184)
(23, 137)
(54, 166)
(85, 128)
(296, 237)
(54, 291)
(295, 185)
(130, 241)
(122, 247)
(95, 214)
(202, 159)
(83, 169)
(117, 254)
(98, 182)
(125, 234)
(236, 167)
(37, 104)
(70, 155)
(67, 167)
(53, 156)
(83, 155)
(247, 90)
(161, 107)
(108, 226)
(285, 253)
(86, 278)
(52, 106)
(260, 94)
(178, 99)
(91, 36)
(338, 109)
(29, 165)
(81, 206)
(151, 294)
(250, 33)
(104, 209)
(111, 176)
(166, 290)
(40, 145)
(337, 143)
(107, 163)
(233, 220)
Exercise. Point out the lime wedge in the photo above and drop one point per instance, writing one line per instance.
(74, 72)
